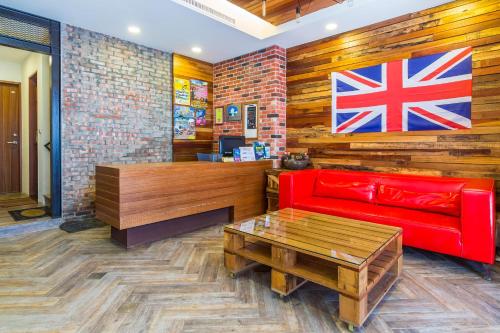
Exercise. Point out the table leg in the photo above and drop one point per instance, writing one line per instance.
(353, 310)
(234, 263)
(281, 282)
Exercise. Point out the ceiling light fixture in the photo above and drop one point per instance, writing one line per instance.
(196, 49)
(134, 29)
(331, 26)
(263, 8)
(297, 13)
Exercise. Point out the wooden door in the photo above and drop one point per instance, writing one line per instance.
(33, 136)
(10, 139)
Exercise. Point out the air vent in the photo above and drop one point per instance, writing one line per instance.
(210, 11)
(18, 28)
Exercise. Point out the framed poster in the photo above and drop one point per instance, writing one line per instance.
(182, 92)
(199, 94)
(219, 115)
(201, 117)
(250, 122)
(233, 112)
(184, 123)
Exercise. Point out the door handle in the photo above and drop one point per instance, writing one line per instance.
(13, 142)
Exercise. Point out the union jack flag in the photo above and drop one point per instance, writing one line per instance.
(425, 93)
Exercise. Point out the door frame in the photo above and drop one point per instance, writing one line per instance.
(54, 50)
(33, 126)
(20, 126)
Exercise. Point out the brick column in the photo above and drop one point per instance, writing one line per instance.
(255, 77)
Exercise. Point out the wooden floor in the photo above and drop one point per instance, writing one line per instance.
(15, 201)
(55, 281)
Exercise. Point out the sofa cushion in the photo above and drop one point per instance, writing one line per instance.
(432, 196)
(426, 230)
(335, 184)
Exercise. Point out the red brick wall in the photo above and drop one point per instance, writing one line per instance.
(258, 76)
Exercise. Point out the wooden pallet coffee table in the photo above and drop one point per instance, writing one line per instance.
(358, 259)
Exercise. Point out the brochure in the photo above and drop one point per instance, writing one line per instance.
(247, 154)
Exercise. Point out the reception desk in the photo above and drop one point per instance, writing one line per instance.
(147, 202)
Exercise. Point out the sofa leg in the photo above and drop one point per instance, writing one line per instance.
(487, 272)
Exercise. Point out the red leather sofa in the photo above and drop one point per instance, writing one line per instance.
(454, 216)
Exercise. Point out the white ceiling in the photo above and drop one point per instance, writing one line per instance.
(170, 26)
(10, 54)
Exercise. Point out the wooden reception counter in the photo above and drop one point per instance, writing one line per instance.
(147, 202)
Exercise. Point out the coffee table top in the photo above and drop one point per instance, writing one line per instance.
(329, 237)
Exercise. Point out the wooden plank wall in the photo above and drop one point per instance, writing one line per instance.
(464, 153)
(189, 68)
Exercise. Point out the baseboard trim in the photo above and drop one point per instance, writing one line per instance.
(160, 230)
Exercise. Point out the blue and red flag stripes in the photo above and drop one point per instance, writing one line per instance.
(425, 93)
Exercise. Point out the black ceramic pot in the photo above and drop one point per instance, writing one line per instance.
(293, 164)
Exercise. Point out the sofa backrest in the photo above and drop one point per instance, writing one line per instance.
(432, 194)
(345, 185)
(438, 195)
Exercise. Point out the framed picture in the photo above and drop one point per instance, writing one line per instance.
(199, 94)
(233, 112)
(250, 120)
(182, 91)
(219, 115)
(184, 123)
(201, 117)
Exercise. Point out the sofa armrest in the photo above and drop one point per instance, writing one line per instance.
(478, 220)
(295, 185)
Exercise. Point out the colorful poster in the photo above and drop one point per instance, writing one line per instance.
(219, 115)
(199, 94)
(182, 91)
(201, 119)
(184, 123)
(432, 92)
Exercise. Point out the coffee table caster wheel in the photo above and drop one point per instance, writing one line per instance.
(350, 327)
(232, 275)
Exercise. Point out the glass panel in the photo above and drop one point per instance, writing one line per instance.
(328, 236)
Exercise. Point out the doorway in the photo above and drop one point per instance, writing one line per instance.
(10, 138)
(25, 105)
(39, 35)
(33, 136)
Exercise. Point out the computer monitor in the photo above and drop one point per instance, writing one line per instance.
(228, 142)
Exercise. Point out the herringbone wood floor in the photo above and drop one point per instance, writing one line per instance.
(82, 282)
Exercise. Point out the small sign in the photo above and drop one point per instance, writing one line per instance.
(247, 154)
(233, 112)
(219, 115)
(251, 119)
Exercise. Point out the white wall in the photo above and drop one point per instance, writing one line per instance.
(36, 63)
(10, 71)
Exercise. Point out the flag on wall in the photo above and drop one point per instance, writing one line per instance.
(425, 93)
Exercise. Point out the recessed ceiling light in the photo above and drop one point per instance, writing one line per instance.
(196, 49)
(331, 26)
(133, 29)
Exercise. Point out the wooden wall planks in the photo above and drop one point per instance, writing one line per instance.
(470, 153)
(282, 11)
(189, 68)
